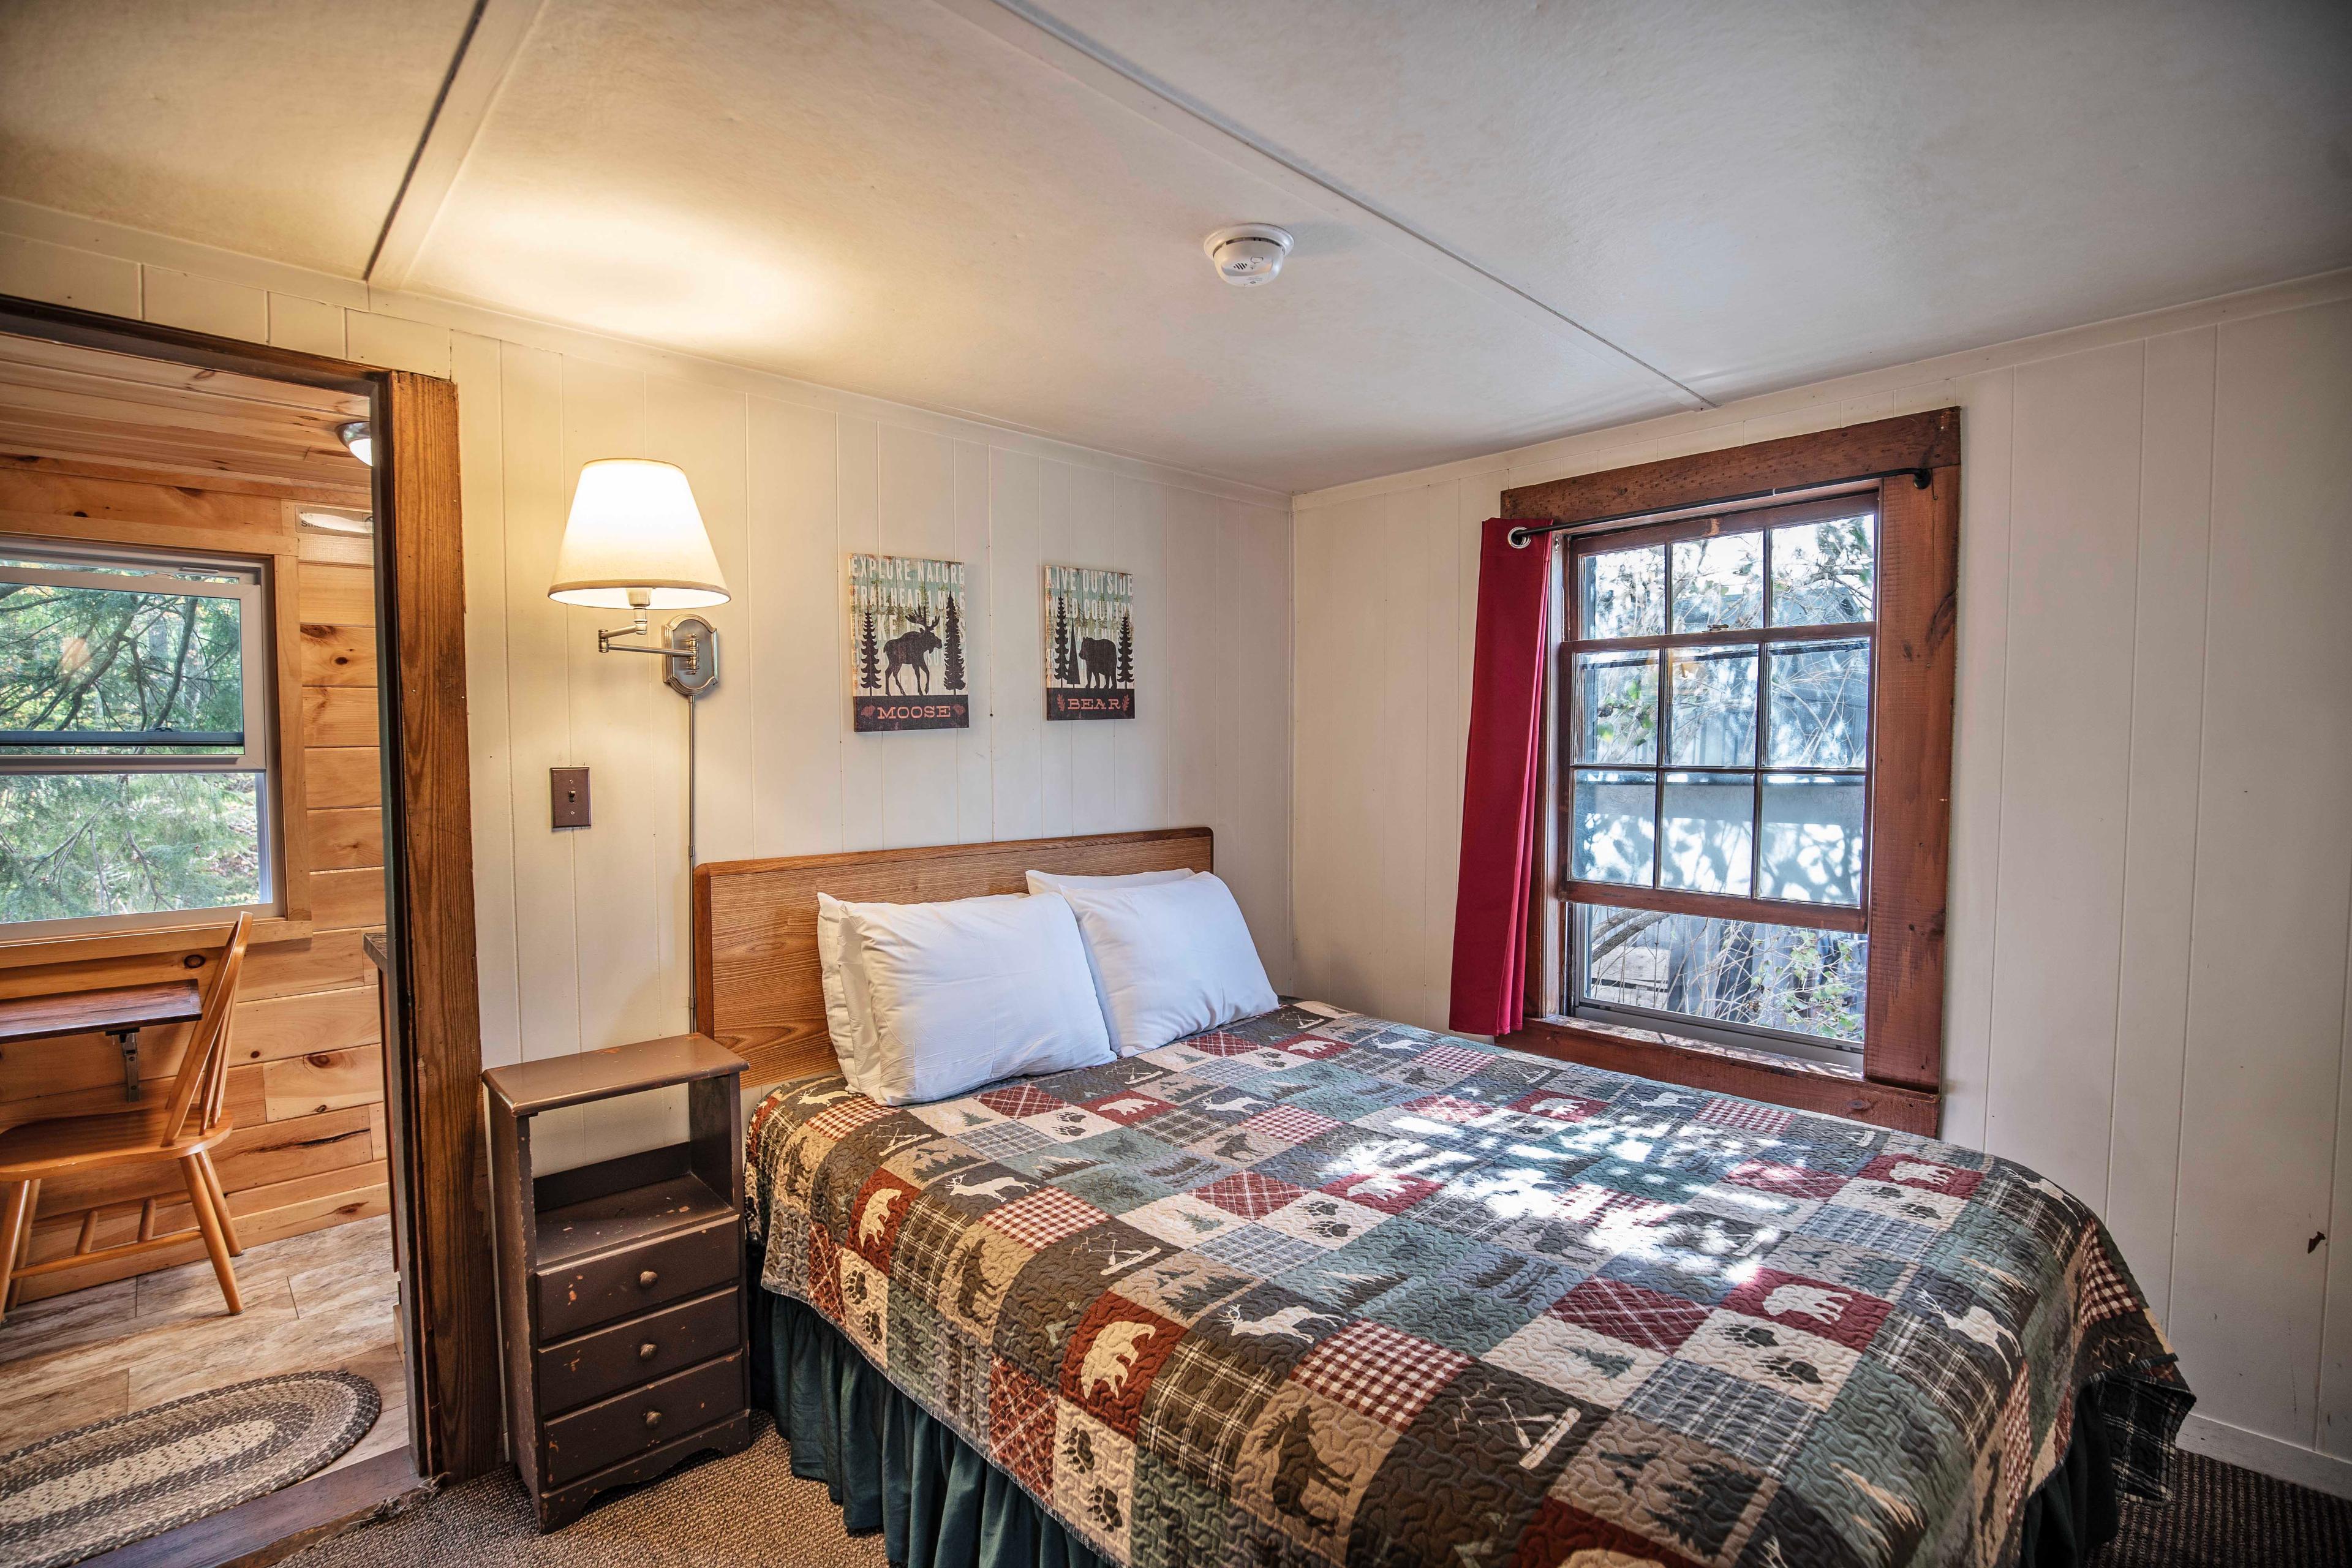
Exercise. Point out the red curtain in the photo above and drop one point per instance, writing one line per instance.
(1499, 788)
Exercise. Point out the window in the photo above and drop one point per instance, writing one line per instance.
(1717, 676)
(134, 738)
(1748, 735)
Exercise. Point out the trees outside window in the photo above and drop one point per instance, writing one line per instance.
(134, 737)
(1719, 764)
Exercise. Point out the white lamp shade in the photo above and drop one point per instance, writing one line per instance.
(636, 530)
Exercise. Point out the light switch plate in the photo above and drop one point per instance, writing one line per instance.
(567, 790)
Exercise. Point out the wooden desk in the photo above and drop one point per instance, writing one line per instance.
(121, 1013)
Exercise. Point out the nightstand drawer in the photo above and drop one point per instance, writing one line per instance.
(629, 1423)
(637, 1351)
(572, 1297)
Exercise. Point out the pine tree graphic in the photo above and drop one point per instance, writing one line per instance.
(869, 657)
(1126, 651)
(951, 671)
(1062, 671)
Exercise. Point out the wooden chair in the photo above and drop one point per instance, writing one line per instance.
(183, 1129)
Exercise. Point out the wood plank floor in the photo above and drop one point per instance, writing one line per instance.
(321, 1301)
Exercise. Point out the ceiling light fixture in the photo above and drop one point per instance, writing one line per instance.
(360, 440)
(1248, 253)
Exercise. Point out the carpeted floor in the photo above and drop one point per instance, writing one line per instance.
(740, 1511)
(2223, 1517)
(746, 1511)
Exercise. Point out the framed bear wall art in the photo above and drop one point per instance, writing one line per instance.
(1090, 643)
(905, 645)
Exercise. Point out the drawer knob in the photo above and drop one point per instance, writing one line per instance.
(653, 1419)
(645, 1352)
(647, 1279)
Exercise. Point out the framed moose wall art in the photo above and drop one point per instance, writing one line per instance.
(1090, 643)
(905, 645)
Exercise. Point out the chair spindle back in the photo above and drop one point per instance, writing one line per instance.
(200, 1087)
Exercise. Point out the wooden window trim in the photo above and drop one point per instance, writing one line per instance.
(132, 943)
(1909, 806)
(440, 1185)
(1700, 1063)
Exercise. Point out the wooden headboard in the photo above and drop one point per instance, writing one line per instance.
(757, 988)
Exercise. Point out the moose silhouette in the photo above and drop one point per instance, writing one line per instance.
(1100, 656)
(913, 649)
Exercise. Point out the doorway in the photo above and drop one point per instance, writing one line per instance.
(196, 521)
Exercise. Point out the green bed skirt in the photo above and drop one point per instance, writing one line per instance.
(891, 1467)
(887, 1463)
(2076, 1511)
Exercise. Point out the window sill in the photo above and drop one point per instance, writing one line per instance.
(1817, 1087)
(136, 943)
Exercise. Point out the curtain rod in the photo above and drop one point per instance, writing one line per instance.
(1921, 475)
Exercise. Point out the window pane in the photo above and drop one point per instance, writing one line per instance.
(110, 569)
(1820, 705)
(1719, 582)
(1736, 972)
(1708, 825)
(1620, 592)
(78, 845)
(1616, 708)
(1714, 707)
(1823, 573)
(1612, 827)
(80, 665)
(1813, 839)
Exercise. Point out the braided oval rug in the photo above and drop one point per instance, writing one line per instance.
(76, 1494)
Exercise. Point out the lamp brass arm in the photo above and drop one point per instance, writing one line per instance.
(686, 650)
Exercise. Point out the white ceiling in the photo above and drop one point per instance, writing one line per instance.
(1755, 196)
(1515, 221)
(280, 127)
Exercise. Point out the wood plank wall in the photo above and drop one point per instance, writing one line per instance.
(306, 1089)
(2148, 929)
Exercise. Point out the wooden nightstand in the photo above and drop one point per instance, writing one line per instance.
(621, 1283)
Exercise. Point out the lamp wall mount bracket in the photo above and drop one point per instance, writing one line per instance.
(689, 649)
(697, 641)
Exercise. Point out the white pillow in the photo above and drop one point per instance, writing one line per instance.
(1175, 958)
(1055, 882)
(974, 990)
(848, 1012)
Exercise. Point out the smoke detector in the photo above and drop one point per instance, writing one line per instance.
(1248, 253)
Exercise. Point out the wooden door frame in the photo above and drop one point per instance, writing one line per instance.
(433, 1062)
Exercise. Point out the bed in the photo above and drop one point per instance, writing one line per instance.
(1321, 1288)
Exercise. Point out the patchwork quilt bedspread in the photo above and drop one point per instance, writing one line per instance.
(1321, 1289)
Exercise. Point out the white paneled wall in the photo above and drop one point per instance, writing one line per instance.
(2151, 898)
(1388, 587)
(583, 934)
